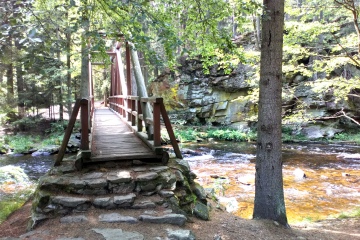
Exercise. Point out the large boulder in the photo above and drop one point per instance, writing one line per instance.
(318, 131)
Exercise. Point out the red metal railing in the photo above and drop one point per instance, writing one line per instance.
(86, 108)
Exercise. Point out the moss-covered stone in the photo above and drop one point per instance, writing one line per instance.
(201, 211)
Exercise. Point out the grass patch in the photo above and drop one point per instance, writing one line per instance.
(347, 137)
(37, 133)
(21, 143)
(12, 203)
(351, 214)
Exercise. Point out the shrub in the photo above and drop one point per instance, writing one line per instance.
(20, 143)
(186, 135)
(26, 123)
(230, 134)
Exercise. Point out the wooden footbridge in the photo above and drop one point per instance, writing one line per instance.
(129, 129)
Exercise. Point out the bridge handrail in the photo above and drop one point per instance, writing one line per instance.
(86, 108)
(134, 114)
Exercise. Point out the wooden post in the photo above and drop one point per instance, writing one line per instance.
(91, 94)
(138, 120)
(128, 77)
(68, 132)
(156, 120)
(170, 131)
(133, 119)
(84, 124)
(145, 116)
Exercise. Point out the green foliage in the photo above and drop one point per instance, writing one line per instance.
(347, 137)
(220, 185)
(26, 123)
(21, 143)
(57, 127)
(232, 135)
(12, 203)
(186, 135)
(7, 207)
(352, 214)
(53, 139)
(291, 134)
(190, 134)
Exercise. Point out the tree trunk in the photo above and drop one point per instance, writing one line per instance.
(84, 82)
(68, 75)
(68, 65)
(10, 84)
(2, 71)
(59, 82)
(141, 87)
(269, 194)
(20, 91)
(256, 23)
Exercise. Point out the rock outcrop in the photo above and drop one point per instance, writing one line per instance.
(218, 99)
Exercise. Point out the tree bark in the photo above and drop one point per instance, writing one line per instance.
(68, 64)
(68, 74)
(140, 82)
(10, 84)
(59, 81)
(20, 85)
(269, 194)
(2, 71)
(257, 32)
(84, 80)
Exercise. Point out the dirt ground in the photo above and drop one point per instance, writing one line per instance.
(222, 224)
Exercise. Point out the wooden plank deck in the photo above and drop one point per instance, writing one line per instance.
(112, 139)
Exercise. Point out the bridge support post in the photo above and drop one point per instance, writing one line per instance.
(157, 127)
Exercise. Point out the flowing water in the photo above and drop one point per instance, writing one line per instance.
(33, 167)
(330, 186)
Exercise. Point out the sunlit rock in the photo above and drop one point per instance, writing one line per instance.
(299, 174)
(317, 131)
(231, 204)
(13, 174)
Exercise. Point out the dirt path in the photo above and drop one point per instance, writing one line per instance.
(222, 226)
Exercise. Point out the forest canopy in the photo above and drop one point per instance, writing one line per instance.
(41, 45)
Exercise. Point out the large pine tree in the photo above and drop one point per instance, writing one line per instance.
(269, 193)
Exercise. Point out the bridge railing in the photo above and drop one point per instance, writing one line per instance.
(86, 108)
(134, 115)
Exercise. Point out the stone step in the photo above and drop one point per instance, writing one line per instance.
(61, 203)
(156, 217)
(115, 224)
(121, 181)
(107, 186)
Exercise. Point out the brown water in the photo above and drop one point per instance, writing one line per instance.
(331, 186)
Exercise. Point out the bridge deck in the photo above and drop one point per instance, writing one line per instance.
(112, 139)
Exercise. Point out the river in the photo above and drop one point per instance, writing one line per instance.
(331, 185)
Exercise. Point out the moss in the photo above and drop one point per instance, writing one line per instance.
(41, 199)
(13, 202)
(9, 206)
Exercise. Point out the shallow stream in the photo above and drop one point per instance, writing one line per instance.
(331, 185)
